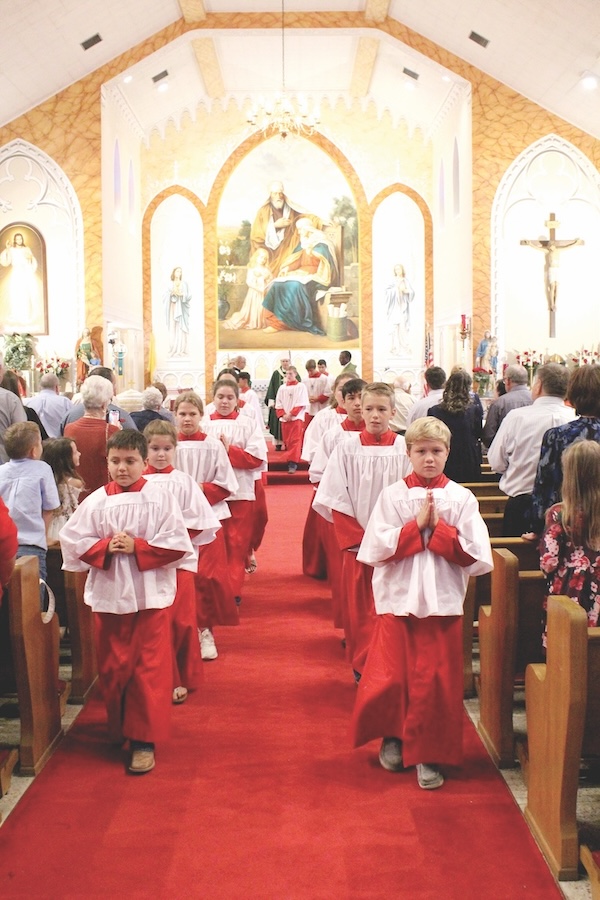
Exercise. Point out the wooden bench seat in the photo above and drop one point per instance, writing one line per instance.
(486, 488)
(81, 630)
(492, 503)
(510, 637)
(34, 645)
(479, 593)
(494, 522)
(563, 724)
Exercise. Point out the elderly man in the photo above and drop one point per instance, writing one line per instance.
(50, 405)
(274, 227)
(517, 394)
(404, 403)
(433, 391)
(11, 412)
(115, 414)
(312, 267)
(515, 451)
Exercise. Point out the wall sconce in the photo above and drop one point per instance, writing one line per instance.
(465, 329)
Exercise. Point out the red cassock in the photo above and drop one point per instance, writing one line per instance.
(314, 558)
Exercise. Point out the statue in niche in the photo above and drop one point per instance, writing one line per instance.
(87, 355)
(398, 297)
(176, 304)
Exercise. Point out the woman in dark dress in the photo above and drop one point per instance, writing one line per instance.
(464, 419)
(10, 382)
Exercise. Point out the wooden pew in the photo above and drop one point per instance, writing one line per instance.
(510, 637)
(490, 503)
(479, 593)
(35, 659)
(494, 522)
(81, 630)
(485, 488)
(563, 723)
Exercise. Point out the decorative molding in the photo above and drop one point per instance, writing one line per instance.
(112, 92)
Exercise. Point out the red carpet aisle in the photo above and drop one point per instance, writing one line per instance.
(259, 795)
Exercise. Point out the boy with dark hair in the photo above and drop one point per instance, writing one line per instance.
(131, 536)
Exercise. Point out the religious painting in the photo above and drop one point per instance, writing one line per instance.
(287, 266)
(23, 285)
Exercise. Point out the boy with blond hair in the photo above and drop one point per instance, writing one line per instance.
(425, 538)
(360, 467)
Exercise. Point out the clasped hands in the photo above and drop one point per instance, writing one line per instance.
(428, 516)
(121, 543)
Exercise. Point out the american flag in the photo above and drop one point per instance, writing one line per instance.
(428, 348)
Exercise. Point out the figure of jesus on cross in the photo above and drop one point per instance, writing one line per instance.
(552, 248)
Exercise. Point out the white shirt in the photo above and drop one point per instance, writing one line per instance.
(404, 403)
(290, 396)
(51, 408)
(207, 461)
(322, 422)
(424, 584)
(152, 514)
(515, 450)
(422, 406)
(316, 387)
(356, 475)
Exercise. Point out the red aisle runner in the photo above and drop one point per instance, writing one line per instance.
(259, 794)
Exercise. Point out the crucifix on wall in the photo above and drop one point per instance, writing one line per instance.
(552, 248)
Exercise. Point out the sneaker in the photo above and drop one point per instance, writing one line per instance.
(429, 777)
(142, 758)
(208, 648)
(390, 754)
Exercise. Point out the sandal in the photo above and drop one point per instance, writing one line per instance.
(180, 694)
(251, 564)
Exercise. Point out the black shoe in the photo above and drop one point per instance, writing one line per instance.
(292, 467)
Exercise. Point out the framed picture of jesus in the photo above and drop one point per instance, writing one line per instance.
(23, 284)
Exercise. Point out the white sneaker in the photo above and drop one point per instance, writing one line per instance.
(390, 754)
(208, 648)
(429, 777)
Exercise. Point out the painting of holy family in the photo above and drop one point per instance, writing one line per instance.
(287, 252)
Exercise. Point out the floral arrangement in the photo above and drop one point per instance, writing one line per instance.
(227, 279)
(585, 357)
(18, 350)
(530, 360)
(482, 378)
(53, 366)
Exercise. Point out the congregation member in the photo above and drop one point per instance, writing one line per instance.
(291, 404)
(115, 414)
(462, 415)
(425, 538)
(12, 382)
(245, 446)
(51, 406)
(28, 489)
(130, 536)
(433, 390)
(316, 384)
(152, 408)
(403, 403)
(202, 526)
(206, 460)
(517, 395)
(515, 450)
(11, 412)
(583, 394)
(91, 432)
(358, 470)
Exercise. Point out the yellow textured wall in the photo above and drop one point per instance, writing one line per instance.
(67, 127)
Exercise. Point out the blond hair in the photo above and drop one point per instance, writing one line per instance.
(380, 389)
(581, 493)
(162, 428)
(189, 397)
(20, 439)
(427, 428)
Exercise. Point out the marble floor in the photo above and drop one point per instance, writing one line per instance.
(588, 801)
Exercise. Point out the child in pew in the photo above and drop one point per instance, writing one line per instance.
(425, 538)
(570, 543)
(130, 535)
(202, 525)
(28, 488)
(63, 457)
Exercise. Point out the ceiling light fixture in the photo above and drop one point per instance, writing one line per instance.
(282, 115)
(589, 81)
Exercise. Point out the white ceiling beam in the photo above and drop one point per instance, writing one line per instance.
(210, 69)
(364, 63)
(376, 10)
(192, 10)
